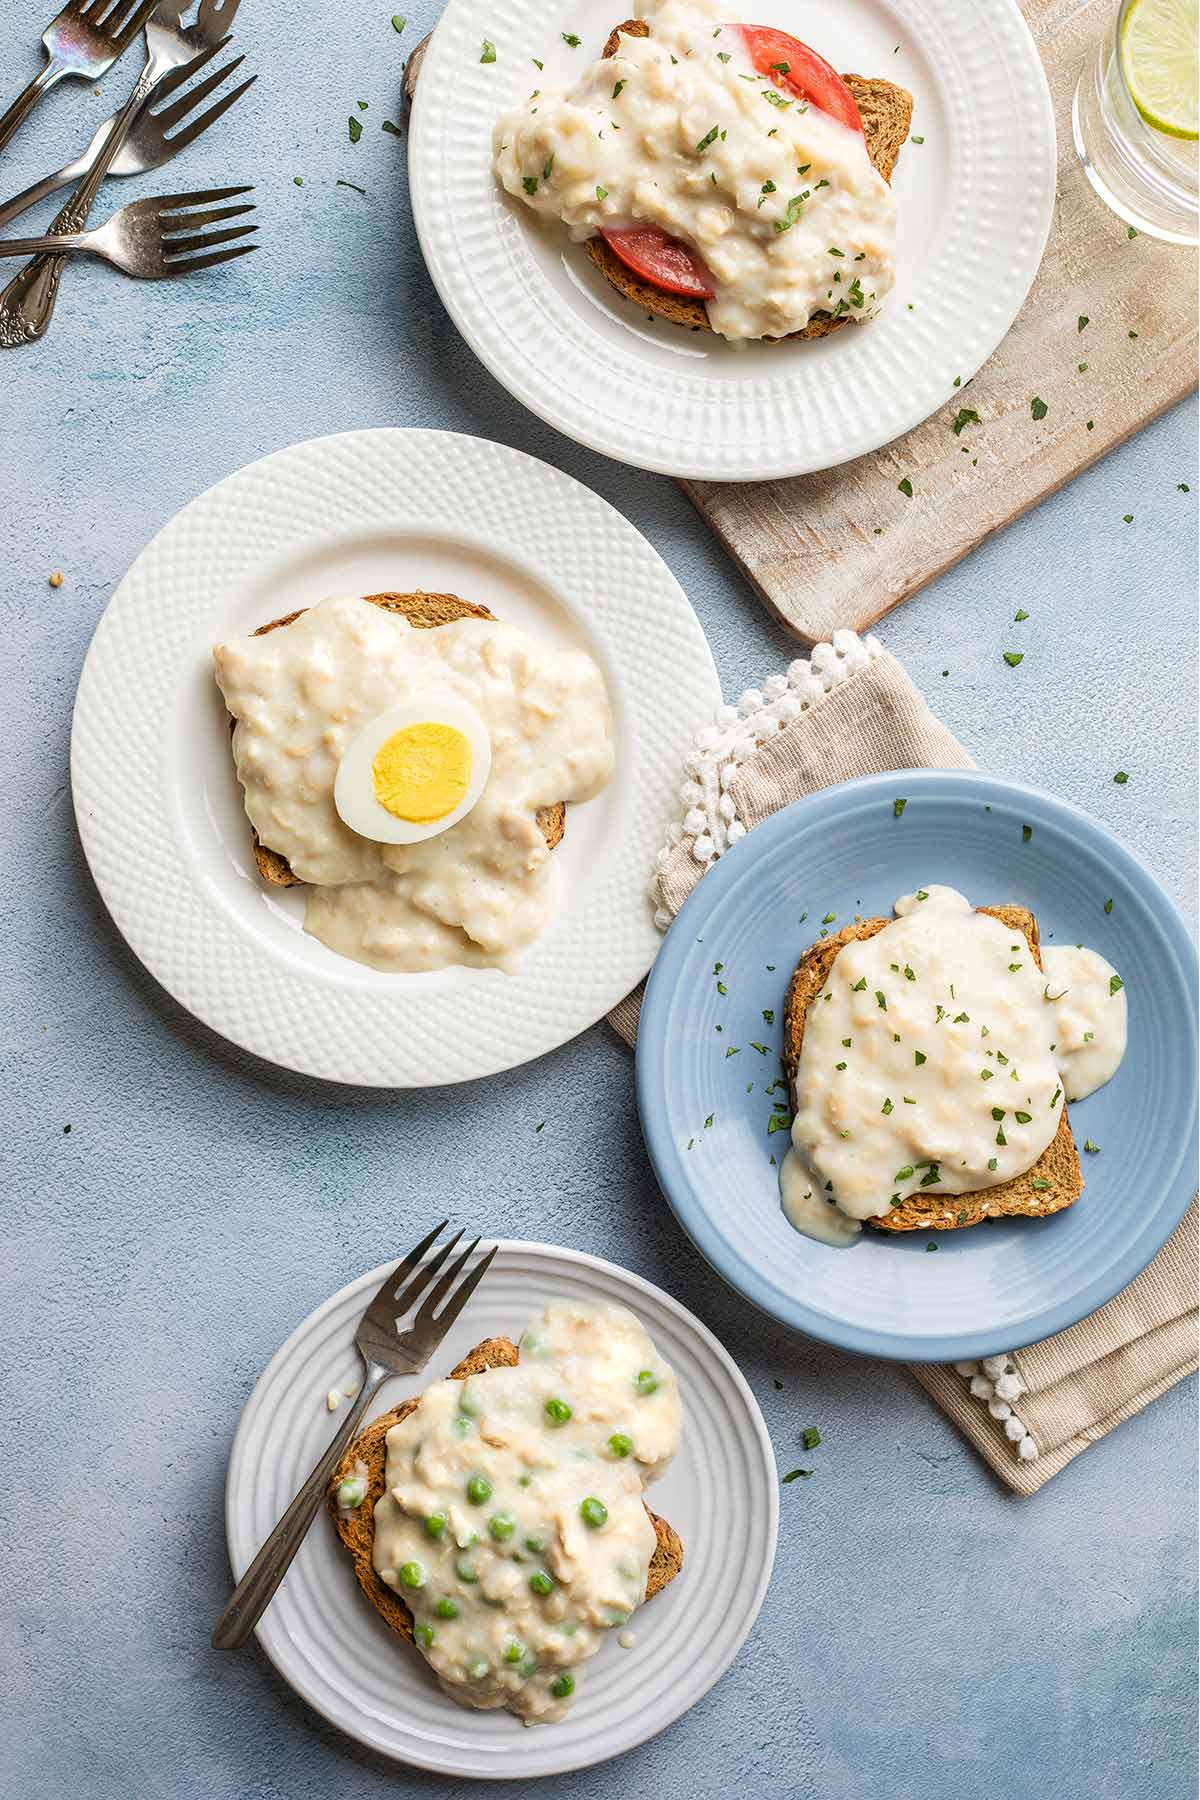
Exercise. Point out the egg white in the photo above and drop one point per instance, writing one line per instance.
(354, 784)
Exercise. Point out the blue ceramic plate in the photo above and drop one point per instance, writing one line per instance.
(998, 1285)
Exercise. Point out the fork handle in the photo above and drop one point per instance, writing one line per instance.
(27, 303)
(35, 246)
(41, 190)
(23, 105)
(253, 1593)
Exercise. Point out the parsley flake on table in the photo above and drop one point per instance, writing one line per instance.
(1108, 906)
(488, 52)
(1020, 616)
(1092, 1149)
(966, 416)
(398, 21)
(1013, 657)
(1026, 833)
(810, 1437)
(795, 1474)
(392, 129)
(906, 488)
(1120, 778)
(1082, 322)
(898, 807)
(570, 40)
(1038, 407)
(1115, 984)
(355, 128)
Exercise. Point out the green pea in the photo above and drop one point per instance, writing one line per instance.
(435, 1524)
(424, 1636)
(564, 1686)
(477, 1668)
(646, 1382)
(461, 1426)
(501, 1526)
(616, 1617)
(351, 1492)
(513, 1651)
(479, 1490)
(593, 1512)
(541, 1583)
(619, 1445)
(529, 1667)
(446, 1608)
(526, 1481)
(464, 1568)
(533, 1344)
(535, 1544)
(412, 1574)
(469, 1402)
(557, 1412)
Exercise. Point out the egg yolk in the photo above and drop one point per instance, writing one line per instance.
(422, 772)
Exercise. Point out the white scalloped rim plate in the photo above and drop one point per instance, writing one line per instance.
(160, 811)
(721, 1491)
(975, 201)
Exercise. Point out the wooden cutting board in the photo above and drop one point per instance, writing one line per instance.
(810, 545)
(844, 547)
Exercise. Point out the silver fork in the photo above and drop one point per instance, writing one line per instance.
(148, 145)
(85, 40)
(148, 238)
(27, 303)
(386, 1351)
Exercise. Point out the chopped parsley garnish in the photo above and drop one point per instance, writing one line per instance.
(839, 1067)
(966, 416)
(1020, 616)
(810, 1437)
(1115, 984)
(898, 807)
(986, 1074)
(922, 893)
(904, 1174)
(906, 488)
(529, 183)
(919, 1057)
(1038, 407)
(779, 1122)
(761, 1048)
(1092, 1149)
(1081, 324)
(398, 21)
(617, 89)
(1022, 1118)
(710, 137)
(776, 98)
(1108, 906)
(859, 986)
(829, 918)
(571, 41)
(1039, 1183)
(1013, 657)
(601, 193)
(549, 166)
(795, 207)
(722, 56)
(393, 130)
(488, 53)
(794, 1474)
(732, 1051)
(1120, 778)
(769, 1015)
(881, 1000)
(916, 140)
(355, 129)
(930, 1247)
(887, 1107)
(1026, 833)
(709, 1120)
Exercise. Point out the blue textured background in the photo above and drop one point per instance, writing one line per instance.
(926, 1636)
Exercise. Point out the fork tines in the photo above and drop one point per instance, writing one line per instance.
(117, 20)
(167, 116)
(177, 217)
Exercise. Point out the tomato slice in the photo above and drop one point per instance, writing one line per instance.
(661, 260)
(796, 69)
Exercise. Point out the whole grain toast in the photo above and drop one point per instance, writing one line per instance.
(357, 1529)
(1059, 1162)
(886, 112)
(423, 611)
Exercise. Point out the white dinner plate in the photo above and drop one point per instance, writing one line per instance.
(720, 1493)
(160, 810)
(975, 200)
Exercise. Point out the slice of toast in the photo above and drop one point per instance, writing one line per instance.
(357, 1529)
(423, 611)
(886, 112)
(1059, 1162)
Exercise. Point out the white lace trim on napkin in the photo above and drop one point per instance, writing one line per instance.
(710, 814)
(995, 1383)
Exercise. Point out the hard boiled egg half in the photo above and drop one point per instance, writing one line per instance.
(414, 771)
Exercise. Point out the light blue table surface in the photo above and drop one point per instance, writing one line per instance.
(926, 1635)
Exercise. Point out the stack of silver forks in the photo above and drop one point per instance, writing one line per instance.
(151, 239)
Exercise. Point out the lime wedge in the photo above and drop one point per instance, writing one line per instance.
(1159, 47)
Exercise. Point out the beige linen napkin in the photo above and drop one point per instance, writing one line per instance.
(851, 711)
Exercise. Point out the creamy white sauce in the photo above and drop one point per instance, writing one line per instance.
(540, 1543)
(642, 146)
(1089, 1016)
(934, 1062)
(482, 890)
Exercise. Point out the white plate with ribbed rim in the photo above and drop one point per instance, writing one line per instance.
(975, 202)
(160, 811)
(721, 1494)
